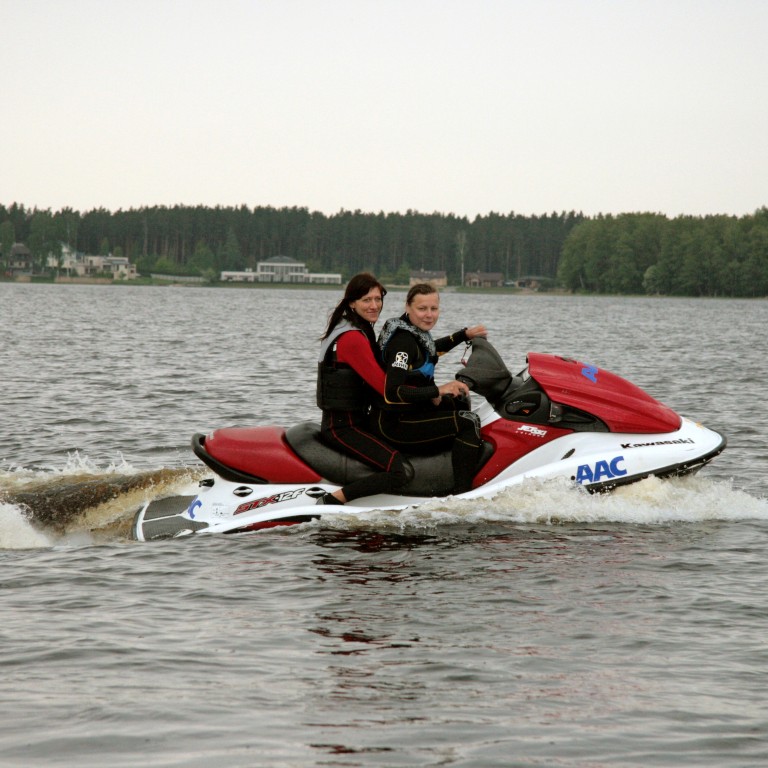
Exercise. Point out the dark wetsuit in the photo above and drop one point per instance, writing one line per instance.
(352, 378)
(406, 416)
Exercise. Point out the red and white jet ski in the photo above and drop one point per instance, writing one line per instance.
(559, 418)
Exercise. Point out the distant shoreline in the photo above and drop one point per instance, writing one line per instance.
(505, 291)
(174, 282)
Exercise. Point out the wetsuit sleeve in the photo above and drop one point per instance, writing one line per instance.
(354, 350)
(447, 343)
(401, 352)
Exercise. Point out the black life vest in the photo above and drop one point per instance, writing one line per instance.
(339, 387)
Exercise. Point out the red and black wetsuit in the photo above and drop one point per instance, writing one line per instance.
(349, 378)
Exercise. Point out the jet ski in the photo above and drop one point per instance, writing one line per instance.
(557, 418)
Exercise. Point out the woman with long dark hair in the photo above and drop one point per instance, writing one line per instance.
(349, 377)
(416, 414)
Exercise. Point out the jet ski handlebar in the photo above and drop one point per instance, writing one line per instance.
(486, 373)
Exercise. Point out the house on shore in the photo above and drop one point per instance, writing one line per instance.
(438, 278)
(20, 262)
(281, 269)
(73, 264)
(118, 266)
(530, 282)
(483, 280)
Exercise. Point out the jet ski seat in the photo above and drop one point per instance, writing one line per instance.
(433, 475)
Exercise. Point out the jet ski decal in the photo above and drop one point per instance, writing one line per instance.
(193, 506)
(264, 500)
(586, 473)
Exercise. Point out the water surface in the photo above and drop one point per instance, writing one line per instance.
(545, 627)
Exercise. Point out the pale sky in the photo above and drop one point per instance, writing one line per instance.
(464, 107)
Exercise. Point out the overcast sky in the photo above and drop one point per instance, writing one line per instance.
(464, 107)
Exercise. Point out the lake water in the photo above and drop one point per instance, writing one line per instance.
(546, 627)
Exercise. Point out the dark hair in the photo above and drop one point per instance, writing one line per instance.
(420, 289)
(357, 287)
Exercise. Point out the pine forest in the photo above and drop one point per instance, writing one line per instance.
(630, 253)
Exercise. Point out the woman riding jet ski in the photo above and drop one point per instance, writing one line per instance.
(558, 418)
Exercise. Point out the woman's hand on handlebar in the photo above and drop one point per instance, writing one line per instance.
(476, 330)
(453, 389)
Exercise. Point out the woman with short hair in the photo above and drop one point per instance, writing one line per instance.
(415, 414)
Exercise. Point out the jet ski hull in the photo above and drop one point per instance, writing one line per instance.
(598, 462)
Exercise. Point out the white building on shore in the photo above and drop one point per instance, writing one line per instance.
(75, 264)
(281, 269)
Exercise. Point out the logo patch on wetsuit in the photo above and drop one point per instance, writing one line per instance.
(401, 360)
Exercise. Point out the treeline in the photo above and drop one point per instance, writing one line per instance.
(196, 239)
(631, 253)
(684, 256)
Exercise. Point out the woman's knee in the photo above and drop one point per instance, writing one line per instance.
(469, 427)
